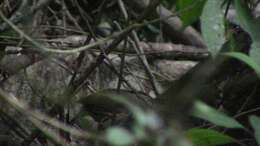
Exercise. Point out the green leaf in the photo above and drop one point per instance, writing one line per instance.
(246, 59)
(210, 114)
(119, 137)
(255, 52)
(251, 25)
(147, 119)
(190, 10)
(212, 24)
(208, 137)
(255, 122)
(246, 19)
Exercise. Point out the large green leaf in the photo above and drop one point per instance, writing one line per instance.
(190, 10)
(118, 136)
(246, 19)
(212, 25)
(210, 114)
(255, 122)
(251, 25)
(255, 51)
(207, 137)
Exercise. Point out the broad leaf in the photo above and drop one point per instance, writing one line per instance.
(255, 51)
(246, 19)
(208, 137)
(251, 25)
(255, 123)
(118, 136)
(210, 114)
(190, 10)
(212, 24)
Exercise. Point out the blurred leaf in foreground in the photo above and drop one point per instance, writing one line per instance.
(118, 136)
(207, 137)
(255, 123)
(210, 114)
